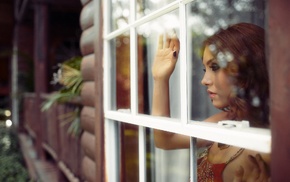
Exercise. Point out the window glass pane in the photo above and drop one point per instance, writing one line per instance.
(205, 17)
(145, 7)
(148, 35)
(120, 72)
(129, 152)
(167, 166)
(120, 13)
(142, 77)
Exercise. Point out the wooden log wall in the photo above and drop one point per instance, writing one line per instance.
(88, 164)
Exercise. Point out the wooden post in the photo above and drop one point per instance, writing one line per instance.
(99, 111)
(278, 36)
(40, 65)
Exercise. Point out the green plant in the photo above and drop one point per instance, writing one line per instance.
(12, 167)
(69, 77)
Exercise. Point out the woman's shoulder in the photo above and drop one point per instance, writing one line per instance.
(217, 117)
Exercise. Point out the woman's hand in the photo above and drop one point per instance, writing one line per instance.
(260, 173)
(165, 58)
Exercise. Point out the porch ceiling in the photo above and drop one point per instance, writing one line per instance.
(6, 22)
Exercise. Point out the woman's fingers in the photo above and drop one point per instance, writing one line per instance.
(174, 44)
(260, 172)
(167, 42)
(160, 42)
(262, 164)
(171, 42)
(264, 170)
(239, 174)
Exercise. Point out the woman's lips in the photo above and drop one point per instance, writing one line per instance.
(211, 94)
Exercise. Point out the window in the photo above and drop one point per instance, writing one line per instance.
(130, 39)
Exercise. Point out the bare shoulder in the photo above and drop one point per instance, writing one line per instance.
(217, 117)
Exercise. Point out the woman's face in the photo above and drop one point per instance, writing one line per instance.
(216, 80)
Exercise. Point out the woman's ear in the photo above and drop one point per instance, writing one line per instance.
(233, 69)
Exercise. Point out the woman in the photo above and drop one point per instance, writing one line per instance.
(237, 83)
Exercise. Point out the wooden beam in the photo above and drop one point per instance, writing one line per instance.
(279, 70)
(70, 3)
(99, 126)
(40, 66)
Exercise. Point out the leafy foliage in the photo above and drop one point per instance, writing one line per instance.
(12, 166)
(70, 79)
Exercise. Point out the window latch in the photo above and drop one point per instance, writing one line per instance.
(234, 124)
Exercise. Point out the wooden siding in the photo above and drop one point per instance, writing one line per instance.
(87, 16)
(88, 119)
(87, 67)
(88, 93)
(89, 169)
(87, 41)
(87, 142)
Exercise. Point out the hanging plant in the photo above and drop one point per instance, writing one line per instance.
(69, 77)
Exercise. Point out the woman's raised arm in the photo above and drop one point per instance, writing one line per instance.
(163, 66)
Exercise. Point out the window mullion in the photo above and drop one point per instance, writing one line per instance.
(134, 91)
(184, 88)
(193, 160)
(142, 154)
(251, 138)
(110, 126)
(106, 60)
(183, 63)
(133, 62)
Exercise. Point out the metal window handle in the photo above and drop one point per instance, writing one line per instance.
(234, 124)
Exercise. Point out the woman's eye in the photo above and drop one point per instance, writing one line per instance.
(203, 69)
(214, 67)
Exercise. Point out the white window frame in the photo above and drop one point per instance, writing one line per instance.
(250, 138)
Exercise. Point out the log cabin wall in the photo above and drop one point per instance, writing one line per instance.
(88, 91)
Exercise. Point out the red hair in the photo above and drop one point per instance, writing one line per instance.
(244, 43)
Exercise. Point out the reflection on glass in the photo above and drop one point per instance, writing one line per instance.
(120, 71)
(121, 10)
(145, 7)
(148, 35)
(142, 94)
(164, 165)
(120, 13)
(129, 154)
(205, 17)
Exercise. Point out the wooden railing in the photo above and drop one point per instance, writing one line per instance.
(59, 146)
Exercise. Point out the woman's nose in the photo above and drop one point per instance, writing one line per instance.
(206, 80)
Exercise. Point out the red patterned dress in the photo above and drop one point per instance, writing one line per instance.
(208, 172)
